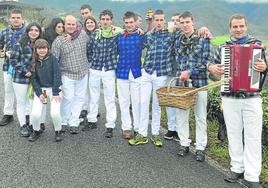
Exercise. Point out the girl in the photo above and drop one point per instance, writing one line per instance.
(46, 81)
(54, 29)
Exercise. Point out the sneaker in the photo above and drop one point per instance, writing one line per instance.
(157, 141)
(83, 114)
(42, 128)
(251, 184)
(135, 133)
(176, 136)
(74, 130)
(169, 135)
(138, 139)
(34, 136)
(126, 134)
(200, 155)
(183, 150)
(6, 120)
(109, 133)
(58, 136)
(233, 177)
(64, 128)
(24, 131)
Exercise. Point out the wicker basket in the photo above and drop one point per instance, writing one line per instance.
(181, 97)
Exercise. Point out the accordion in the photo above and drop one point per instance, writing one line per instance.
(238, 62)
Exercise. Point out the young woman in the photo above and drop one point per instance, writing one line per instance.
(46, 81)
(54, 29)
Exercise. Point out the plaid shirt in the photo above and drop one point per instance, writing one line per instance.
(217, 60)
(159, 54)
(72, 56)
(21, 59)
(102, 52)
(130, 49)
(6, 42)
(192, 54)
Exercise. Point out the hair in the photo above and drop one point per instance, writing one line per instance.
(94, 20)
(238, 17)
(16, 11)
(187, 14)
(176, 14)
(138, 15)
(50, 31)
(159, 12)
(130, 14)
(86, 6)
(39, 43)
(106, 12)
(23, 41)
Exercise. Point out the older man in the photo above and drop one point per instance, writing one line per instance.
(74, 70)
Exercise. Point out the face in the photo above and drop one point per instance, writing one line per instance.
(105, 21)
(176, 20)
(130, 24)
(34, 33)
(159, 22)
(187, 25)
(90, 25)
(139, 22)
(70, 25)
(16, 20)
(59, 28)
(238, 28)
(42, 52)
(85, 13)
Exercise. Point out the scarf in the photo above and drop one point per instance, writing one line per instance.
(108, 32)
(16, 34)
(242, 40)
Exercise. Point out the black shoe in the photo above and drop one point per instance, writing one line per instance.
(200, 155)
(27, 119)
(64, 128)
(93, 125)
(83, 114)
(24, 131)
(73, 130)
(251, 184)
(109, 133)
(42, 128)
(233, 177)
(86, 126)
(34, 136)
(6, 120)
(169, 135)
(98, 115)
(176, 136)
(58, 136)
(183, 150)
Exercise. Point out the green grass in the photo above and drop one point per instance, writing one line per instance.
(218, 40)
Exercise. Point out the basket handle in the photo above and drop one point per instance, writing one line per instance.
(209, 86)
(170, 82)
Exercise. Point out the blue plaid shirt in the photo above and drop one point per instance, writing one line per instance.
(192, 54)
(159, 54)
(130, 50)
(102, 52)
(6, 36)
(21, 59)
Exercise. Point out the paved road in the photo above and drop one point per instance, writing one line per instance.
(90, 160)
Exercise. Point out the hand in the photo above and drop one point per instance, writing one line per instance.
(56, 98)
(184, 75)
(260, 65)
(204, 33)
(216, 69)
(67, 38)
(28, 74)
(42, 98)
(140, 31)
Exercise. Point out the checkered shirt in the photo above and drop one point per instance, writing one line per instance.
(72, 56)
(130, 50)
(192, 54)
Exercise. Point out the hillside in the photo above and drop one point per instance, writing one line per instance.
(213, 14)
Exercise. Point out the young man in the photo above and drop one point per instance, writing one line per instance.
(156, 68)
(128, 74)
(85, 11)
(74, 69)
(192, 54)
(242, 113)
(8, 37)
(102, 53)
(138, 21)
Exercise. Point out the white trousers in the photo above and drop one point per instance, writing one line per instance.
(171, 113)
(239, 115)
(149, 84)
(129, 90)
(9, 98)
(24, 104)
(73, 95)
(87, 98)
(200, 112)
(108, 81)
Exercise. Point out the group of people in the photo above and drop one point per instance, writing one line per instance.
(65, 64)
